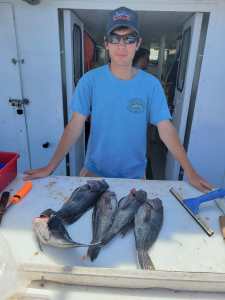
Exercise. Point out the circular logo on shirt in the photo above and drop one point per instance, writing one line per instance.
(136, 105)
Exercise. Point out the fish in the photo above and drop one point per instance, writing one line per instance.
(50, 230)
(125, 213)
(102, 219)
(81, 200)
(147, 225)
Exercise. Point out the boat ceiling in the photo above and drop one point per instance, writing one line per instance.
(153, 25)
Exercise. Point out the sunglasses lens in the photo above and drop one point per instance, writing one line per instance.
(130, 39)
(127, 39)
(114, 39)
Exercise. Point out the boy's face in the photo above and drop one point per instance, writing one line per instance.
(122, 53)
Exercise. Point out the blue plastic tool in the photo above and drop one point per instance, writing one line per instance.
(194, 203)
(2, 165)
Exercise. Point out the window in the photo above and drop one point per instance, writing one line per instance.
(154, 56)
(77, 54)
(185, 47)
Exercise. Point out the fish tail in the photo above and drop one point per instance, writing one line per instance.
(144, 260)
(93, 252)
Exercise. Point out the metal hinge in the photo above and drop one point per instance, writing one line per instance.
(19, 102)
(15, 61)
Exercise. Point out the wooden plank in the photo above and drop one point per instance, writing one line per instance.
(27, 296)
(137, 279)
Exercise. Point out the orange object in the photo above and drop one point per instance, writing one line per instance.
(21, 193)
(89, 51)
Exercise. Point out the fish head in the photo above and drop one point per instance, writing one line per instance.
(40, 227)
(47, 213)
(107, 203)
(97, 185)
(141, 196)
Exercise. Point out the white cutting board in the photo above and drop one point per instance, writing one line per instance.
(181, 246)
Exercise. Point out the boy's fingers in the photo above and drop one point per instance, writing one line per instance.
(28, 172)
(206, 186)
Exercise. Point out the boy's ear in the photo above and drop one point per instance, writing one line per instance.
(106, 46)
(139, 43)
(105, 43)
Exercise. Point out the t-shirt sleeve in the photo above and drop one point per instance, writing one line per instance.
(81, 99)
(158, 110)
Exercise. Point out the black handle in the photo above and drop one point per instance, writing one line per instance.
(46, 145)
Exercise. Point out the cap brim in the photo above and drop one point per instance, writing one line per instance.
(122, 25)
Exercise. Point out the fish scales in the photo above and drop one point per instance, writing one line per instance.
(81, 200)
(102, 218)
(127, 208)
(148, 222)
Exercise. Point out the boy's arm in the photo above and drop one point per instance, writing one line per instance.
(169, 136)
(70, 136)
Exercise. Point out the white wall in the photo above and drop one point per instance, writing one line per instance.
(37, 30)
(207, 142)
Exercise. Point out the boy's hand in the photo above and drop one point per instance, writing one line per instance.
(37, 173)
(199, 183)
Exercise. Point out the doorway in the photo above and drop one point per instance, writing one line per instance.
(175, 37)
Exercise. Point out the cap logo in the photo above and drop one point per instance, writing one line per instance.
(121, 16)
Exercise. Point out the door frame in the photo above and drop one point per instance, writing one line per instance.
(14, 92)
(73, 159)
(206, 7)
(191, 79)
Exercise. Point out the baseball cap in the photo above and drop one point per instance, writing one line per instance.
(122, 16)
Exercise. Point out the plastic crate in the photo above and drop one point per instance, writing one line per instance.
(8, 170)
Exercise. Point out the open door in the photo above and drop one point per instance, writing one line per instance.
(74, 58)
(13, 133)
(188, 56)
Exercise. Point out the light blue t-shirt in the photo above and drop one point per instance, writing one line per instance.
(120, 112)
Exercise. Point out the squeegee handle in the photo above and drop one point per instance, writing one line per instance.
(219, 193)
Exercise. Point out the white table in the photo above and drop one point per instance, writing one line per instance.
(182, 245)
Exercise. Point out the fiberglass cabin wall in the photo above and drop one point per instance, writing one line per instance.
(207, 140)
(37, 30)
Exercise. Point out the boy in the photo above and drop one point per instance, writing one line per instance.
(121, 100)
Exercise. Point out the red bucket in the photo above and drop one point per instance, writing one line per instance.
(8, 170)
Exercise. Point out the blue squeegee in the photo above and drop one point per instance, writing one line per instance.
(192, 205)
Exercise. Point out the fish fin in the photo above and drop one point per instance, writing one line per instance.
(124, 203)
(127, 228)
(155, 203)
(55, 225)
(147, 213)
(93, 252)
(94, 215)
(144, 260)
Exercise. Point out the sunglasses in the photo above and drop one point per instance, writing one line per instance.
(128, 39)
